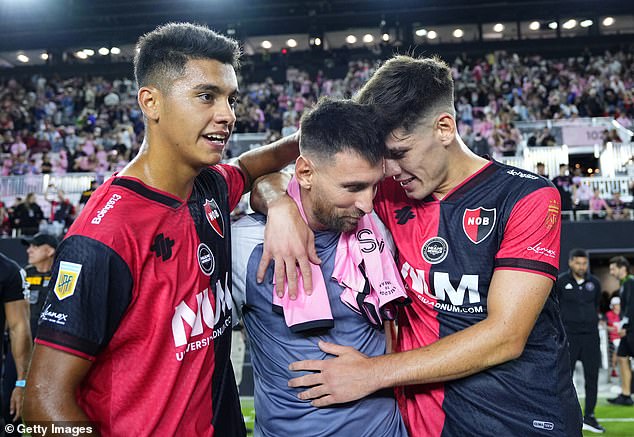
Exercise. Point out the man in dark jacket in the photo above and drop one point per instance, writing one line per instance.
(579, 295)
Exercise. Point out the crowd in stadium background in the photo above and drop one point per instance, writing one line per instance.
(56, 126)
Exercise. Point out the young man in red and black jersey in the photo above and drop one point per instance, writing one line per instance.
(135, 335)
(482, 349)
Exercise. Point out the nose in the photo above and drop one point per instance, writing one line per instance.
(391, 168)
(365, 200)
(225, 113)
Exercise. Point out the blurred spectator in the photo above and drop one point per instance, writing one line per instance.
(540, 169)
(612, 320)
(563, 183)
(86, 194)
(619, 210)
(28, 216)
(598, 206)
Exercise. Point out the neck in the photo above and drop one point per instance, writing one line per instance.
(463, 163)
(577, 277)
(44, 266)
(307, 204)
(159, 167)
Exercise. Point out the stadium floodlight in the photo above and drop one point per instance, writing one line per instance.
(89, 52)
(385, 37)
(317, 41)
(291, 42)
(499, 27)
(104, 51)
(421, 32)
(458, 33)
(115, 50)
(81, 54)
(266, 44)
(534, 25)
(23, 58)
(586, 23)
(367, 38)
(608, 21)
(351, 39)
(553, 25)
(570, 24)
(44, 56)
(432, 34)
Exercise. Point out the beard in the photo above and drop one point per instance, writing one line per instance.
(336, 219)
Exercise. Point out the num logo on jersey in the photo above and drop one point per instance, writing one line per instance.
(478, 223)
(214, 217)
(190, 327)
(442, 293)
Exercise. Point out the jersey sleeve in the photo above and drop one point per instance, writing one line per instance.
(531, 239)
(15, 287)
(246, 234)
(89, 291)
(236, 182)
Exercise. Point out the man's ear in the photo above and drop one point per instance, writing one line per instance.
(445, 128)
(149, 99)
(304, 170)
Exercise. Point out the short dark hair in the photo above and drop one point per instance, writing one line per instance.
(620, 261)
(161, 55)
(577, 253)
(408, 89)
(334, 126)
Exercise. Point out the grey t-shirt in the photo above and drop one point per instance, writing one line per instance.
(278, 411)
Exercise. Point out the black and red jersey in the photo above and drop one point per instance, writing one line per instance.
(141, 286)
(499, 218)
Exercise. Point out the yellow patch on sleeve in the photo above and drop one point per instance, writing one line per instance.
(66, 279)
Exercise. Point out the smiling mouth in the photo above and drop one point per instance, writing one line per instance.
(404, 182)
(218, 140)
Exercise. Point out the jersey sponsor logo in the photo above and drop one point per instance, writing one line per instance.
(539, 250)
(53, 317)
(521, 174)
(214, 217)
(446, 297)
(552, 215)
(206, 259)
(404, 215)
(369, 244)
(435, 250)
(103, 211)
(162, 246)
(478, 223)
(540, 424)
(66, 279)
(568, 286)
(199, 320)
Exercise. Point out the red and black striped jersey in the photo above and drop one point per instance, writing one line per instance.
(499, 218)
(141, 286)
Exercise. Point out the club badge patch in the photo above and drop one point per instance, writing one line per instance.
(552, 214)
(206, 259)
(478, 223)
(435, 250)
(214, 217)
(66, 279)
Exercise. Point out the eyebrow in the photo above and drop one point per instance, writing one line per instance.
(211, 88)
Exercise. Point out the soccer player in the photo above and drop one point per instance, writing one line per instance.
(482, 349)
(15, 312)
(620, 269)
(579, 294)
(335, 179)
(135, 336)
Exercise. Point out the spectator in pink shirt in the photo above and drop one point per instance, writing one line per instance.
(598, 206)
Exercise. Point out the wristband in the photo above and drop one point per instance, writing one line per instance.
(20, 383)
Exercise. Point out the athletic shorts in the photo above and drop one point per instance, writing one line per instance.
(626, 347)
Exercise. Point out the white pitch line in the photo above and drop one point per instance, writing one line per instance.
(616, 420)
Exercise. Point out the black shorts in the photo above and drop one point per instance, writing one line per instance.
(626, 347)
